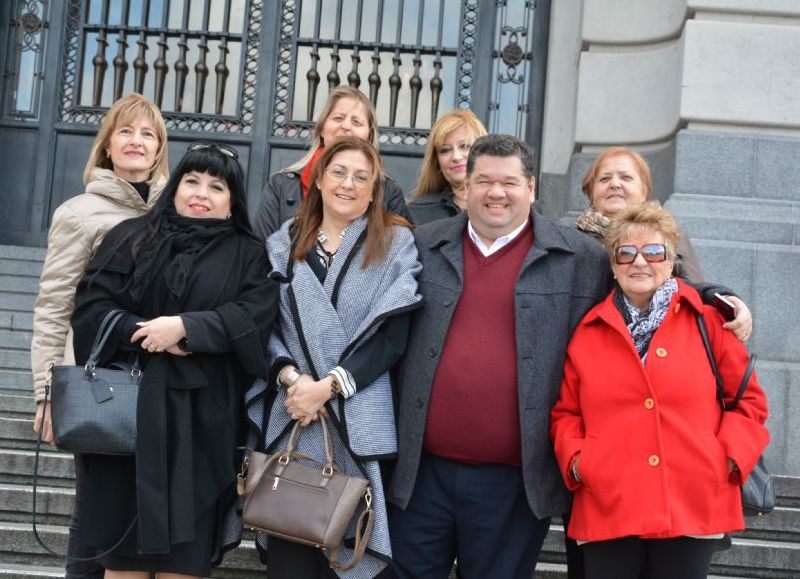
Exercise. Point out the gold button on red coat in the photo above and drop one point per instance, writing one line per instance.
(661, 353)
(649, 403)
(653, 460)
(677, 308)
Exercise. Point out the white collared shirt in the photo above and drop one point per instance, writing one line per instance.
(498, 244)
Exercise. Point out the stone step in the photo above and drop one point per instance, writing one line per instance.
(20, 267)
(736, 218)
(17, 302)
(787, 489)
(14, 320)
(15, 340)
(11, 571)
(20, 252)
(55, 468)
(19, 283)
(15, 359)
(17, 381)
(19, 547)
(17, 405)
(783, 524)
(53, 504)
(17, 433)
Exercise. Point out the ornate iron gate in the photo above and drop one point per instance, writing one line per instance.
(252, 73)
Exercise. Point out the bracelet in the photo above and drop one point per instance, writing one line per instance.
(335, 388)
(574, 468)
(292, 376)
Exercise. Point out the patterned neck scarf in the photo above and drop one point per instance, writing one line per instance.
(642, 325)
(592, 221)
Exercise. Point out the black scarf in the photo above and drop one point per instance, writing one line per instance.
(172, 249)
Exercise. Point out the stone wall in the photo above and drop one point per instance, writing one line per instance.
(709, 92)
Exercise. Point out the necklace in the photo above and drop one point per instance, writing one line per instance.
(325, 256)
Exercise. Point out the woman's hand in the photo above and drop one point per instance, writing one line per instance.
(160, 334)
(44, 422)
(306, 397)
(742, 324)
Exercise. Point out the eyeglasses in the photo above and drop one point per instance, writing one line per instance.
(337, 175)
(222, 149)
(651, 252)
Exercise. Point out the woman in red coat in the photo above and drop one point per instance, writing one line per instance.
(639, 434)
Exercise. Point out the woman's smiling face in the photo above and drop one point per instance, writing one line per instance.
(202, 195)
(618, 185)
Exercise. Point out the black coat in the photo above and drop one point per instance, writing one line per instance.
(284, 192)
(190, 411)
(433, 207)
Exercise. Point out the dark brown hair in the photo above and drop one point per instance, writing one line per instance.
(379, 222)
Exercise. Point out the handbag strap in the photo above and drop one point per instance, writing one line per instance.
(294, 437)
(751, 364)
(103, 334)
(35, 484)
(363, 533)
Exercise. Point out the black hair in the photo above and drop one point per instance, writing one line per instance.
(501, 146)
(207, 158)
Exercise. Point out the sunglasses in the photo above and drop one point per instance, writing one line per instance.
(222, 149)
(651, 252)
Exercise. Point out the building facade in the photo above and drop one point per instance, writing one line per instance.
(707, 90)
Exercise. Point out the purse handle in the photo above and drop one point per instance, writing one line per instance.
(103, 334)
(751, 364)
(291, 445)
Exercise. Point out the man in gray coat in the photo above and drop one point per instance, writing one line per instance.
(504, 287)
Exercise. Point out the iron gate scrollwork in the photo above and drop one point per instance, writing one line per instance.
(206, 59)
(30, 24)
(414, 58)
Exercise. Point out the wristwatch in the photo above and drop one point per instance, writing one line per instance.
(291, 377)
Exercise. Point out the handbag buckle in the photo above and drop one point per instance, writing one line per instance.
(284, 459)
(327, 471)
(368, 497)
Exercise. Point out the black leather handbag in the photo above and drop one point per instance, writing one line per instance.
(758, 491)
(94, 409)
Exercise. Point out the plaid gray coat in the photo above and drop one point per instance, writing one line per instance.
(319, 325)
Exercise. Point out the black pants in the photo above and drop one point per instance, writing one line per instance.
(76, 547)
(575, 566)
(657, 558)
(287, 560)
(478, 514)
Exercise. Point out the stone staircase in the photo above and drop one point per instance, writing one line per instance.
(770, 547)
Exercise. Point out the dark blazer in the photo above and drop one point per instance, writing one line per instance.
(433, 207)
(284, 192)
(564, 274)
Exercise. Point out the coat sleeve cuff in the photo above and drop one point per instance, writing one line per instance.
(345, 380)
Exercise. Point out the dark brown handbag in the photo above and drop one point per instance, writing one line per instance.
(305, 504)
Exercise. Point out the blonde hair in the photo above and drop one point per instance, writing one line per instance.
(431, 180)
(337, 94)
(641, 167)
(128, 108)
(645, 216)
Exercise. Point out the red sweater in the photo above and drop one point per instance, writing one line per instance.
(474, 412)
